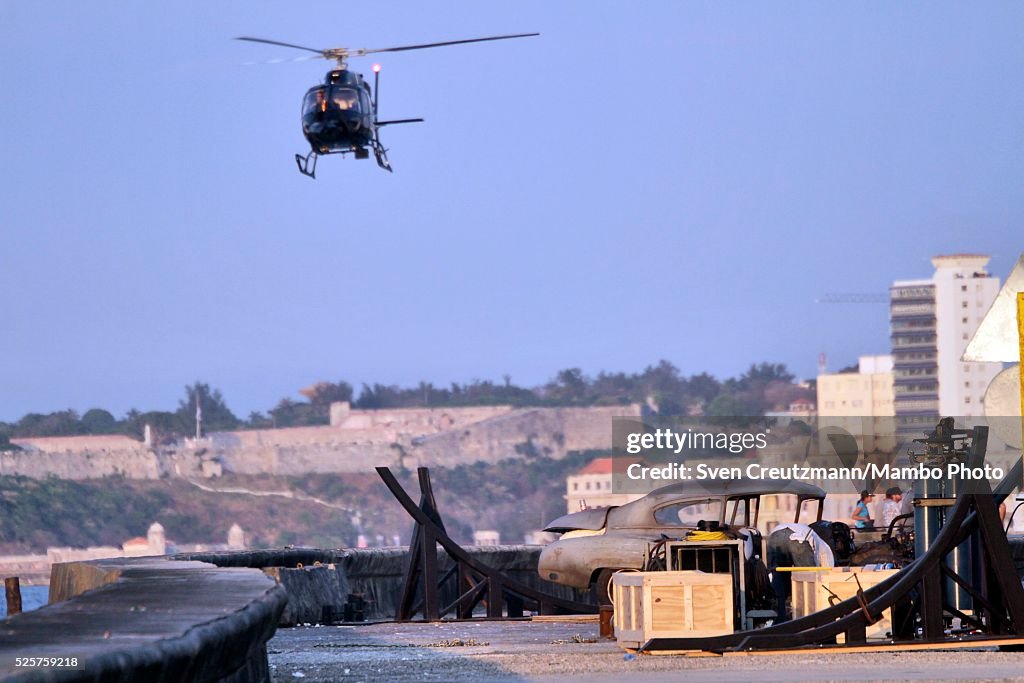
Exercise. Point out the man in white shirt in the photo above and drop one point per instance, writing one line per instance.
(890, 509)
(794, 545)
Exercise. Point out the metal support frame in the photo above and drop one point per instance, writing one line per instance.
(917, 594)
(503, 596)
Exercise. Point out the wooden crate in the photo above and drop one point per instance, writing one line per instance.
(686, 604)
(811, 593)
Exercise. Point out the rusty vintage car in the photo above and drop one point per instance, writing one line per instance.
(596, 543)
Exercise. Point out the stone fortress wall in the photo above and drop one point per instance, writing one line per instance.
(81, 457)
(355, 441)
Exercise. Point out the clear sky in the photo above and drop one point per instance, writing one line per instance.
(643, 181)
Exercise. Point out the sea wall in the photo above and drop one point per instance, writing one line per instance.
(148, 619)
(378, 574)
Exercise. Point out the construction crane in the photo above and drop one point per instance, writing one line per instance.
(853, 298)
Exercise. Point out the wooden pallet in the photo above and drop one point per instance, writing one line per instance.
(968, 644)
(566, 618)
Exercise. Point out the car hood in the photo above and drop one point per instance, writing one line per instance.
(590, 520)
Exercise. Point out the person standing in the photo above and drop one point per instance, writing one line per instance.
(861, 514)
(890, 506)
(794, 545)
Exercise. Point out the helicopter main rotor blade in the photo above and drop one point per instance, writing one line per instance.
(322, 53)
(289, 60)
(403, 48)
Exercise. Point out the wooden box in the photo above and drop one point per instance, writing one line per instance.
(685, 604)
(811, 593)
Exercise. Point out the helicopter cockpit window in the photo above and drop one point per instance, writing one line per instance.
(345, 98)
(315, 102)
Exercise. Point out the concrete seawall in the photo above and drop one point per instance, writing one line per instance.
(376, 573)
(208, 616)
(147, 619)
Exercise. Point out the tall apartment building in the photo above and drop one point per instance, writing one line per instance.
(931, 323)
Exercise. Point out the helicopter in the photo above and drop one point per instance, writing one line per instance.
(339, 116)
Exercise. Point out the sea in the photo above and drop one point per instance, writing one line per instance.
(32, 597)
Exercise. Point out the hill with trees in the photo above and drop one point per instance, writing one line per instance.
(513, 497)
(764, 386)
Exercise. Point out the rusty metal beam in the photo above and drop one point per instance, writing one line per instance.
(504, 595)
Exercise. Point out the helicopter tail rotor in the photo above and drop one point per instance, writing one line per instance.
(379, 150)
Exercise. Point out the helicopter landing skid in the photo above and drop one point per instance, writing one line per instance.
(382, 156)
(303, 163)
(307, 164)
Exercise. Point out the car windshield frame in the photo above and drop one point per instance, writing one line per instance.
(639, 514)
(714, 514)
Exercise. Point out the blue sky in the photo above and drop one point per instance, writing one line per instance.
(665, 180)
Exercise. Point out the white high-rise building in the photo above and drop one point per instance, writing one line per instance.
(932, 322)
(963, 294)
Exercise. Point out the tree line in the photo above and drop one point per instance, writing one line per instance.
(764, 386)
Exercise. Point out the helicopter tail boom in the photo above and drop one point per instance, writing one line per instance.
(388, 123)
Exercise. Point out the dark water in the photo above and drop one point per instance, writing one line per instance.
(32, 597)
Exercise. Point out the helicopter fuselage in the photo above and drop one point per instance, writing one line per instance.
(338, 116)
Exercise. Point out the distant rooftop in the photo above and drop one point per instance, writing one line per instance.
(962, 255)
(598, 466)
(973, 262)
(912, 283)
(961, 260)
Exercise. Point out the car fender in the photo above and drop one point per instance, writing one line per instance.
(574, 561)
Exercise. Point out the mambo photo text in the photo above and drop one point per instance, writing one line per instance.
(703, 471)
(667, 439)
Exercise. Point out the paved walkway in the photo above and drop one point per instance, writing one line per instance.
(543, 652)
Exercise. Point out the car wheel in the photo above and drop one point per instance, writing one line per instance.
(603, 586)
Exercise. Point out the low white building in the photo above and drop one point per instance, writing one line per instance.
(486, 537)
(860, 402)
(591, 487)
